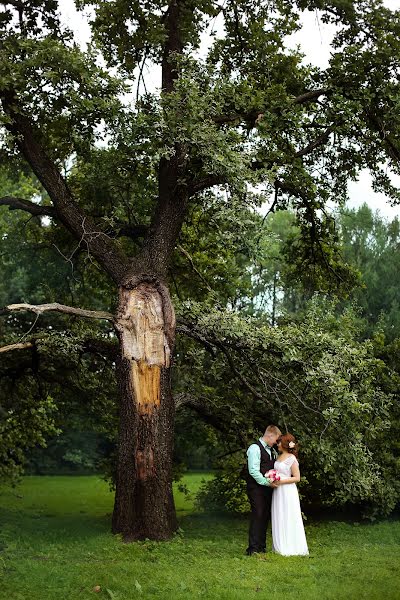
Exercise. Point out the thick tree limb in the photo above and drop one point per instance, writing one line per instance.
(210, 345)
(15, 3)
(201, 184)
(192, 333)
(121, 230)
(172, 204)
(100, 245)
(27, 206)
(311, 95)
(200, 406)
(253, 116)
(319, 141)
(173, 44)
(17, 346)
(55, 306)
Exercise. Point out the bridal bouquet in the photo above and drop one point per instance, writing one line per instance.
(272, 476)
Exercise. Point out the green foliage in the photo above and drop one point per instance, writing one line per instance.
(25, 421)
(195, 444)
(72, 452)
(371, 244)
(227, 490)
(313, 378)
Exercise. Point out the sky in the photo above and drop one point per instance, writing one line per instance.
(314, 40)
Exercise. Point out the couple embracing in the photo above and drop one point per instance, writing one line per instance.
(275, 496)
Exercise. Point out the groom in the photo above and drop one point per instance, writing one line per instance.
(260, 459)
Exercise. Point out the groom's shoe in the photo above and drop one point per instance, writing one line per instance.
(251, 552)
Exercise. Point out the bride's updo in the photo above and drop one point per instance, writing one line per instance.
(289, 444)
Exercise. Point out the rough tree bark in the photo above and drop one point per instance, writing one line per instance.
(144, 505)
(145, 321)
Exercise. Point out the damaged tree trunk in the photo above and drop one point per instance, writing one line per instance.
(144, 505)
(145, 322)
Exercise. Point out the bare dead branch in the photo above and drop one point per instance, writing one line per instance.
(55, 306)
(17, 346)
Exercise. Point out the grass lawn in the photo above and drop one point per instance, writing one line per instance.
(55, 543)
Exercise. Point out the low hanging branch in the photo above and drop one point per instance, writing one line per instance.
(203, 409)
(97, 346)
(212, 343)
(17, 346)
(55, 306)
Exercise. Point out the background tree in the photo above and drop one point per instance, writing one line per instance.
(371, 244)
(249, 113)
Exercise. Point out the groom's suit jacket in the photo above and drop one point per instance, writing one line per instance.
(266, 463)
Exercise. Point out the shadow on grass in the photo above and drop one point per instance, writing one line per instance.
(214, 526)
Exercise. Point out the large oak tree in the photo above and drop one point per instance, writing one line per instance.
(241, 122)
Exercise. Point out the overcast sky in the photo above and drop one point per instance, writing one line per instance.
(314, 40)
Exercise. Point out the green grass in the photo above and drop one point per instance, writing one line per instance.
(55, 543)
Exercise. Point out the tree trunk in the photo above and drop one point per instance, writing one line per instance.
(144, 504)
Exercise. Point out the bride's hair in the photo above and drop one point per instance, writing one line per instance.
(289, 444)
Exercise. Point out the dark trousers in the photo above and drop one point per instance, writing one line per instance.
(260, 498)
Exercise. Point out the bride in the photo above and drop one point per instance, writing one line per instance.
(288, 536)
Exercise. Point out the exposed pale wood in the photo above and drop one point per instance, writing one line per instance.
(146, 384)
(143, 326)
(55, 306)
(17, 346)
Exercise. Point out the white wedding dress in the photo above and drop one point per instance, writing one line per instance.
(288, 536)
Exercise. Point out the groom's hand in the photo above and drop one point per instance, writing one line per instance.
(275, 484)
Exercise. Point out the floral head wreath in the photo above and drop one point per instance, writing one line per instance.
(292, 444)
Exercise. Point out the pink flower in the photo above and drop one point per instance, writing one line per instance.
(273, 475)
